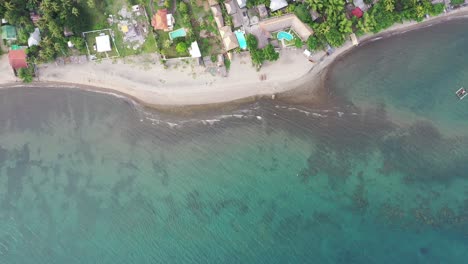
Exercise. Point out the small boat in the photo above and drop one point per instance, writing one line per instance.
(461, 93)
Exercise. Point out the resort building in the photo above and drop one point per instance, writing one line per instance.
(218, 15)
(229, 39)
(289, 21)
(103, 43)
(160, 20)
(8, 32)
(277, 5)
(17, 59)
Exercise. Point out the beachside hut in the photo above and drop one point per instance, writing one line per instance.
(277, 5)
(8, 32)
(17, 59)
(229, 39)
(34, 38)
(194, 50)
(159, 20)
(230, 7)
(103, 43)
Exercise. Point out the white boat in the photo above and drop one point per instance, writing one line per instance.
(461, 93)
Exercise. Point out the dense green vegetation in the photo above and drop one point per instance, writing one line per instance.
(260, 55)
(457, 2)
(336, 24)
(26, 74)
(55, 16)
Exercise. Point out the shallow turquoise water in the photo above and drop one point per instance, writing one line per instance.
(90, 178)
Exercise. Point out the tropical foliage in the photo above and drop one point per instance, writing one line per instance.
(55, 16)
(260, 55)
(336, 26)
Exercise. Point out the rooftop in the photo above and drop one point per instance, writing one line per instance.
(8, 32)
(277, 5)
(103, 43)
(194, 50)
(17, 59)
(159, 20)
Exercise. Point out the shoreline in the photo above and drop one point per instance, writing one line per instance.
(291, 78)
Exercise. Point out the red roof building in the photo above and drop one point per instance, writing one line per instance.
(17, 59)
(159, 20)
(357, 12)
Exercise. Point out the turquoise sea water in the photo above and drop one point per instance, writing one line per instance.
(377, 176)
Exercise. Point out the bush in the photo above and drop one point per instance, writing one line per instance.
(302, 13)
(252, 42)
(26, 74)
(269, 53)
(183, 8)
(181, 47)
(457, 2)
(298, 43)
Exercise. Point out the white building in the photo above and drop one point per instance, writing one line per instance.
(277, 5)
(103, 43)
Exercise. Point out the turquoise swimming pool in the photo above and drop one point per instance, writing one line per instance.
(284, 35)
(241, 39)
(177, 33)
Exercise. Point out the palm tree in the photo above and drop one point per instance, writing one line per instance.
(316, 5)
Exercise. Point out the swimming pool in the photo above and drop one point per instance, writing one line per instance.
(284, 35)
(177, 33)
(241, 39)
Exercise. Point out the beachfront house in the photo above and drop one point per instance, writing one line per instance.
(8, 32)
(276, 5)
(103, 43)
(286, 22)
(162, 20)
(17, 60)
(229, 39)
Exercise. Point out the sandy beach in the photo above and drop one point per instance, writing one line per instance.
(185, 83)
